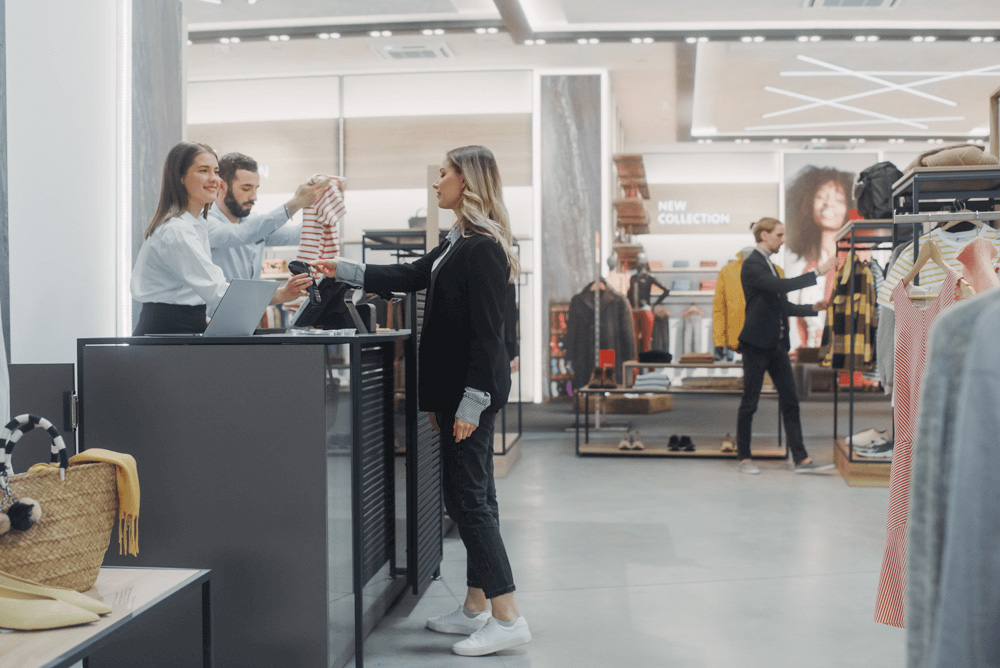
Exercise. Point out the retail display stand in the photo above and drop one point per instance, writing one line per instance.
(857, 471)
(592, 396)
(631, 209)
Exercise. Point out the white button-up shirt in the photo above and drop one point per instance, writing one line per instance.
(238, 248)
(175, 266)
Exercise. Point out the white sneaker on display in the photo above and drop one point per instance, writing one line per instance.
(494, 637)
(459, 622)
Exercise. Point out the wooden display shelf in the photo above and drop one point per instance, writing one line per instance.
(861, 472)
(702, 451)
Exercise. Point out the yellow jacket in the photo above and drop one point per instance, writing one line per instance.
(729, 306)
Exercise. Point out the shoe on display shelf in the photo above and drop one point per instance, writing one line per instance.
(881, 449)
(625, 443)
(866, 437)
(728, 444)
(636, 443)
(812, 467)
(459, 622)
(494, 637)
(596, 377)
(686, 444)
(673, 445)
(747, 466)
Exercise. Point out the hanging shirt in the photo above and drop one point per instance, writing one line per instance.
(912, 330)
(931, 275)
(175, 266)
(839, 338)
(320, 237)
(978, 258)
(238, 248)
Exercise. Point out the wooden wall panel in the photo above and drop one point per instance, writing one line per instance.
(387, 153)
(289, 151)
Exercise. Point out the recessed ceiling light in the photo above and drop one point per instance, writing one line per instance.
(386, 33)
(190, 42)
(251, 2)
(539, 41)
(492, 31)
(529, 42)
(284, 38)
(746, 39)
(647, 40)
(702, 40)
(815, 38)
(690, 40)
(803, 38)
(859, 38)
(930, 38)
(323, 35)
(234, 40)
(438, 31)
(582, 40)
(758, 39)
(480, 31)
(976, 38)
(274, 38)
(862, 140)
(916, 38)
(989, 38)
(872, 38)
(593, 40)
(637, 40)
(426, 31)
(223, 40)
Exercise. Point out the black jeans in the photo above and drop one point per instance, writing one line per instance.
(470, 497)
(775, 361)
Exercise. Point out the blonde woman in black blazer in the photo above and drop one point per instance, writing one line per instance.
(465, 380)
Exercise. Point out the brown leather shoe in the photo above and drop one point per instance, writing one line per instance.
(596, 378)
(609, 378)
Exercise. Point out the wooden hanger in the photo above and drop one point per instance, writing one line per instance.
(693, 310)
(929, 251)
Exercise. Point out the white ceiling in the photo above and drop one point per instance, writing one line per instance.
(882, 89)
(601, 15)
(738, 90)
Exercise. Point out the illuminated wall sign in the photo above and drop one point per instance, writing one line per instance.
(709, 208)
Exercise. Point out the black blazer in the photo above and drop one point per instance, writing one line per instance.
(462, 339)
(767, 303)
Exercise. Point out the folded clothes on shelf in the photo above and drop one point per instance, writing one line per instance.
(681, 285)
(680, 264)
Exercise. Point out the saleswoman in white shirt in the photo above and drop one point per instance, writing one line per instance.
(174, 277)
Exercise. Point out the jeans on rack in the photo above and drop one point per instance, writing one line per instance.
(774, 361)
(470, 497)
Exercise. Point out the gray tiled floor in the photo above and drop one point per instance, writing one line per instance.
(681, 563)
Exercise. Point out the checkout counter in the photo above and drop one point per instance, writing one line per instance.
(270, 460)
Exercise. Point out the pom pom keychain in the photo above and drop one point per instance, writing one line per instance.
(21, 515)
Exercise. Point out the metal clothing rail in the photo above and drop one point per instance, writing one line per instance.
(946, 217)
(849, 237)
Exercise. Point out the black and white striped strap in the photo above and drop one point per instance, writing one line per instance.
(18, 427)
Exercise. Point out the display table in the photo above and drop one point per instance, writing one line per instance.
(130, 593)
(269, 459)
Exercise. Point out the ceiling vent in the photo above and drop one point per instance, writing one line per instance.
(412, 51)
(851, 4)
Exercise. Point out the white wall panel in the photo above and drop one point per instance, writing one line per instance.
(293, 98)
(434, 94)
(712, 167)
(62, 139)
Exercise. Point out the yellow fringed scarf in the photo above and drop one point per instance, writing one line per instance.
(128, 492)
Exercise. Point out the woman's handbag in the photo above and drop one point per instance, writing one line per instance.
(66, 546)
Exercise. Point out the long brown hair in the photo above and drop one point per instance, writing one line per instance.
(482, 207)
(173, 194)
(804, 236)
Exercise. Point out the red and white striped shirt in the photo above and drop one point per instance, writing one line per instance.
(912, 328)
(320, 236)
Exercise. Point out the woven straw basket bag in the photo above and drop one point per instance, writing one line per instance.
(66, 547)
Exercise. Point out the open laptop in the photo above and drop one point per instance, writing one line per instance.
(240, 309)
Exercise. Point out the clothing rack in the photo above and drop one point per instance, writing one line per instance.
(848, 236)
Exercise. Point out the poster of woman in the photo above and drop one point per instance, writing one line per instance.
(818, 202)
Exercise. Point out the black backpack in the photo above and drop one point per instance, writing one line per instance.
(873, 190)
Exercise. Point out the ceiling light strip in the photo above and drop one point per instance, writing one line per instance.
(842, 107)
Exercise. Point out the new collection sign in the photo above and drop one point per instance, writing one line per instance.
(700, 208)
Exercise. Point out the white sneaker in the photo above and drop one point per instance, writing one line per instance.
(747, 466)
(493, 637)
(459, 622)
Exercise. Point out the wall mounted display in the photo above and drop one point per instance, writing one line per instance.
(709, 208)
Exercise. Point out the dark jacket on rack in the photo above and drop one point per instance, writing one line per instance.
(616, 332)
(461, 343)
(768, 308)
